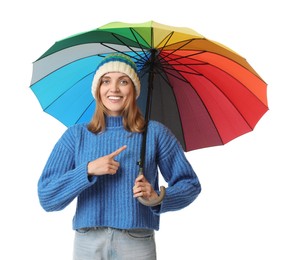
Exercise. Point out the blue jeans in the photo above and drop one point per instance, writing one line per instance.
(114, 244)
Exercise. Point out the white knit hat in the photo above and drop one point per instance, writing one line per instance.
(116, 63)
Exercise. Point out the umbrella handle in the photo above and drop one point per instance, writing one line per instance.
(153, 202)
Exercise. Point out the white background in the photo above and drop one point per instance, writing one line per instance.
(246, 208)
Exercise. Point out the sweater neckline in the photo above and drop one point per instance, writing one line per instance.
(114, 121)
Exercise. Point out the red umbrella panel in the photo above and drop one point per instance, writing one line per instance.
(206, 106)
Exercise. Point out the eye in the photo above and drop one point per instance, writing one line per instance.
(124, 82)
(105, 81)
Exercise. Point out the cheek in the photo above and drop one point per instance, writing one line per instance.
(129, 91)
(128, 96)
(101, 95)
(101, 90)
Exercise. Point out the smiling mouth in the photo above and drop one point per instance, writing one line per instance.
(114, 97)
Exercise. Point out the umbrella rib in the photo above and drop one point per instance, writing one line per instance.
(166, 40)
(84, 111)
(186, 56)
(167, 81)
(229, 100)
(195, 72)
(201, 52)
(132, 31)
(186, 42)
(53, 101)
(114, 49)
(128, 46)
(183, 79)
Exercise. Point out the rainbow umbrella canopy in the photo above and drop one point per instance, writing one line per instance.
(206, 93)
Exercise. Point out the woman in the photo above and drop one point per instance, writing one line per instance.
(97, 164)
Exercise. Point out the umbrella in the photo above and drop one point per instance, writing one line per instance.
(206, 93)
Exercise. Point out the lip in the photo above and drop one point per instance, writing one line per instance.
(114, 97)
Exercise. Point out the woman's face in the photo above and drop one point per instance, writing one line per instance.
(115, 90)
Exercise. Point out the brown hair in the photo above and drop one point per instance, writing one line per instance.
(133, 120)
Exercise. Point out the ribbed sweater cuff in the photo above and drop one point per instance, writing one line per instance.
(82, 172)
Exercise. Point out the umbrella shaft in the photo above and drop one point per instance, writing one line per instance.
(148, 105)
(150, 85)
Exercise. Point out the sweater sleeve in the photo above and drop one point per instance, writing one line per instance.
(183, 183)
(61, 180)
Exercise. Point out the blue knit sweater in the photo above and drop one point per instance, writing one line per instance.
(108, 200)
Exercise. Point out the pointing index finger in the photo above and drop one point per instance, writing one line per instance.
(117, 152)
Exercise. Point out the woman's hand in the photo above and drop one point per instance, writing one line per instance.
(143, 188)
(106, 164)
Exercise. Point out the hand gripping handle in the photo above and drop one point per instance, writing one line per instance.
(153, 202)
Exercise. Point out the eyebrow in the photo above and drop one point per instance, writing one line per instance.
(121, 77)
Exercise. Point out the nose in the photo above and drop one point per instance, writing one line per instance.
(114, 87)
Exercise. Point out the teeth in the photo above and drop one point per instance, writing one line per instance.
(114, 98)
